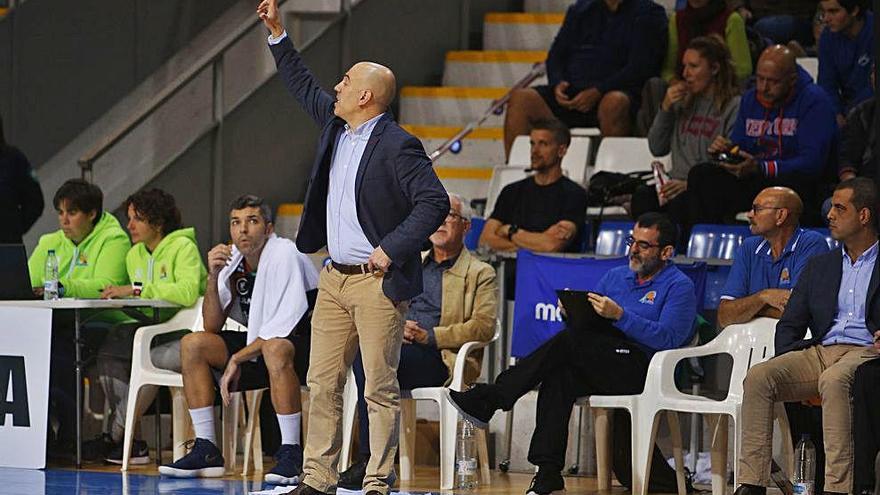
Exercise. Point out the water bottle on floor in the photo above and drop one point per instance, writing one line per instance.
(50, 277)
(804, 467)
(466, 456)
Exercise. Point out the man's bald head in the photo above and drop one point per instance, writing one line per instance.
(785, 197)
(776, 74)
(366, 90)
(775, 211)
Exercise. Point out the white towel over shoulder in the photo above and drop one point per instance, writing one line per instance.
(279, 299)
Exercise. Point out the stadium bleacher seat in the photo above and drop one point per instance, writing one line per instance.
(472, 238)
(716, 241)
(612, 238)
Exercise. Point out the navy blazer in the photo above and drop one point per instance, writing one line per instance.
(813, 303)
(400, 201)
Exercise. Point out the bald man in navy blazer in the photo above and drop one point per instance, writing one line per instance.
(373, 199)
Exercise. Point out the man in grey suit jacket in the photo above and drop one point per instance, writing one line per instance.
(373, 200)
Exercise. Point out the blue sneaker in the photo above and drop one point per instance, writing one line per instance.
(288, 466)
(204, 460)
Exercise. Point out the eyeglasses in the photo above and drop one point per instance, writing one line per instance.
(452, 216)
(758, 208)
(644, 245)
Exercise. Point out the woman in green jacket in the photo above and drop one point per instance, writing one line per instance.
(165, 261)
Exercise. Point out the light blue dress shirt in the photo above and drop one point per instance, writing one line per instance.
(346, 240)
(849, 327)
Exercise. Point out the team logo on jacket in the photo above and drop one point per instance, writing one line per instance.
(163, 272)
(784, 277)
(82, 260)
(649, 297)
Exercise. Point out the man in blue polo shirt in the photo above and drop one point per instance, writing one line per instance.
(768, 264)
(646, 307)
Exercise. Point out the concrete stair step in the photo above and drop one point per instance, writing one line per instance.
(448, 106)
(470, 182)
(482, 147)
(490, 68)
(520, 31)
(559, 6)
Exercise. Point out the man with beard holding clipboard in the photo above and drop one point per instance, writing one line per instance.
(640, 309)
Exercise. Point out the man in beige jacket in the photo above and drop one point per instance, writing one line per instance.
(458, 305)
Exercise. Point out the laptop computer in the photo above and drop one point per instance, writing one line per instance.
(16, 284)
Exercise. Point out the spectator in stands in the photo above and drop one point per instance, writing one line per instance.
(457, 306)
(784, 135)
(21, 199)
(706, 18)
(779, 20)
(846, 54)
(767, 265)
(596, 67)
(835, 299)
(263, 282)
(90, 247)
(646, 307)
(857, 141)
(545, 212)
(693, 112)
(165, 264)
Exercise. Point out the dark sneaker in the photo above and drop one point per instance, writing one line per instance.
(353, 477)
(97, 448)
(204, 460)
(139, 453)
(745, 489)
(546, 482)
(288, 466)
(477, 405)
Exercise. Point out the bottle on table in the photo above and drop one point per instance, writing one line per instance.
(50, 277)
(466, 456)
(805, 467)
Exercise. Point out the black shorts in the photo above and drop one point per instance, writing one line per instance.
(573, 118)
(254, 374)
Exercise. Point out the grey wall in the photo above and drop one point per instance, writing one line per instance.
(73, 60)
(269, 143)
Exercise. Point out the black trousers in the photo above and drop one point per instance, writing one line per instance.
(572, 364)
(716, 196)
(866, 424)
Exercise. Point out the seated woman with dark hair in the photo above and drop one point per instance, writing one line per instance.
(694, 111)
(164, 263)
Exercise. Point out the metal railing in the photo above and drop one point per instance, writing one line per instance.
(213, 59)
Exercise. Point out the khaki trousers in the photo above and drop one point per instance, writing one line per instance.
(352, 309)
(799, 375)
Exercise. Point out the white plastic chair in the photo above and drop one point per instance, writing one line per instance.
(143, 372)
(811, 65)
(623, 155)
(448, 421)
(748, 344)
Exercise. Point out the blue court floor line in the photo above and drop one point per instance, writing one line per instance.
(69, 482)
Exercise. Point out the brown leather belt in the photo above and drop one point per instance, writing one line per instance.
(350, 269)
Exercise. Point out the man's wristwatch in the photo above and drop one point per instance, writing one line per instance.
(512, 229)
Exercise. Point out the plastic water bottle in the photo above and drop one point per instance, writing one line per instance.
(466, 456)
(805, 467)
(50, 277)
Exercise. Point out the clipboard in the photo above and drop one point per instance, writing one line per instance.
(580, 314)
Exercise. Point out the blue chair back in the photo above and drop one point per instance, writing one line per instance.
(612, 238)
(472, 238)
(824, 232)
(716, 277)
(716, 241)
(697, 271)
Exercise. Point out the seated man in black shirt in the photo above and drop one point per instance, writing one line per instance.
(545, 212)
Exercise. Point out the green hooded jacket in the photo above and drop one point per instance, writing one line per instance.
(174, 272)
(84, 269)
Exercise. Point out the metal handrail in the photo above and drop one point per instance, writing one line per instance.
(209, 59)
(497, 106)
